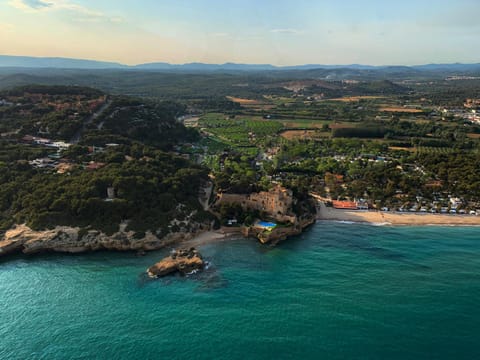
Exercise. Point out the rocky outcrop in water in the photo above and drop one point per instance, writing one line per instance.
(67, 240)
(278, 233)
(181, 261)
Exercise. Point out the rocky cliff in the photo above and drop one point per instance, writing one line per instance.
(67, 240)
(181, 261)
(278, 233)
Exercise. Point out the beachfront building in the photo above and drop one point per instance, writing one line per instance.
(361, 204)
(344, 205)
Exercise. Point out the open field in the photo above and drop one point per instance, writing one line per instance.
(400, 109)
(303, 134)
(239, 131)
(433, 150)
(277, 100)
(244, 101)
(342, 126)
(356, 98)
(213, 145)
(304, 123)
(191, 122)
(252, 104)
(473, 136)
(400, 148)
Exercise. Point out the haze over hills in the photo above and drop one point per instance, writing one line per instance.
(69, 63)
(55, 62)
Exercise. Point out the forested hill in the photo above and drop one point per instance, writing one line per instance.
(62, 112)
(118, 170)
(149, 122)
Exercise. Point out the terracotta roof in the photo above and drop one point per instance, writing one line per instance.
(346, 205)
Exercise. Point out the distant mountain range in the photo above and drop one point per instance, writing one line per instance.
(67, 63)
(54, 62)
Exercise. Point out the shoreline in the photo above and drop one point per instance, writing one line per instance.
(366, 217)
(22, 239)
(395, 218)
(212, 236)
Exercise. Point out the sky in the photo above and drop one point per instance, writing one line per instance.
(279, 32)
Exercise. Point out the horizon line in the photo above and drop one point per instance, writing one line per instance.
(234, 63)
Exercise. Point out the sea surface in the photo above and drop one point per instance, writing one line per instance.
(338, 291)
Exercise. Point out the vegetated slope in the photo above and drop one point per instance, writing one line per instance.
(153, 190)
(335, 89)
(157, 84)
(56, 112)
(150, 122)
(150, 192)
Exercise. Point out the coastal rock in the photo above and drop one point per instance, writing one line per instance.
(182, 261)
(67, 240)
(278, 233)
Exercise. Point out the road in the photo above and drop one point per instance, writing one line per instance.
(204, 195)
(78, 135)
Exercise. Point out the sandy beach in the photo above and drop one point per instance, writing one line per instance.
(208, 237)
(359, 216)
(395, 218)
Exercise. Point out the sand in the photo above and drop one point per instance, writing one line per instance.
(208, 237)
(395, 218)
(360, 216)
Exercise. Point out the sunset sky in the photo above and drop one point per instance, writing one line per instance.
(279, 32)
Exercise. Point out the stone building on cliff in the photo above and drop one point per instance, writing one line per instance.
(277, 202)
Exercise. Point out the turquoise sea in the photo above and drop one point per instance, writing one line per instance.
(338, 291)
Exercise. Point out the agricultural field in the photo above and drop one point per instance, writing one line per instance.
(303, 134)
(304, 123)
(252, 104)
(401, 148)
(239, 131)
(342, 125)
(356, 98)
(423, 150)
(213, 145)
(243, 101)
(400, 109)
(280, 100)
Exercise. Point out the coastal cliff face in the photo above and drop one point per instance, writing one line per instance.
(67, 240)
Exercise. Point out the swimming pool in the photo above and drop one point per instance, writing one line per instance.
(266, 224)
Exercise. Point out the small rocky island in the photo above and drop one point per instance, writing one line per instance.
(183, 261)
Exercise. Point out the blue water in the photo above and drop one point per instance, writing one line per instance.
(338, 291)
(267, 224)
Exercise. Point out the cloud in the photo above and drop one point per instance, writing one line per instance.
(79, 9)
(287, 31)
(30, 5)
(37, 4)
(81, 13)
